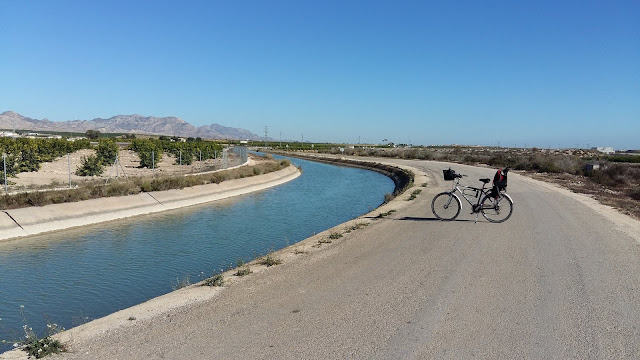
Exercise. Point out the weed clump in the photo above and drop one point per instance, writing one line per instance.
(414, 194)
(181, 283)
(214, 281)
(271, 260)
(37, 346)
(243, 271)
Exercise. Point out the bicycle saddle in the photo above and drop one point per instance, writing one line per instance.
(486, 181)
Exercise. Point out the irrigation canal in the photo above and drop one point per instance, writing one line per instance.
(72, 276)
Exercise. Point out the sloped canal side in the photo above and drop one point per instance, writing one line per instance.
(70, 277)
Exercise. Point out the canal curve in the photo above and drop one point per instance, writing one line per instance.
(73, 276)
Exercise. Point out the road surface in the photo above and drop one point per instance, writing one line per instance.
(557, 280)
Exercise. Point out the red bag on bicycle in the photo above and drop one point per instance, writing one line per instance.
(499, 181)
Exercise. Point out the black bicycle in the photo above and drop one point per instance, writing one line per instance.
(492, 202)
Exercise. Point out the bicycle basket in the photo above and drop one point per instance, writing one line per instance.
(449, 175)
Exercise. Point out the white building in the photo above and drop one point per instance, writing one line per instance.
(8, 134)
(606, 149)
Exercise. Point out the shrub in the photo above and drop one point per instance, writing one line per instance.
(243, 271)
(215, 280)
(89, 166)
(271, 260)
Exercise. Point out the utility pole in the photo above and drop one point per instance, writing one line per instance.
(266, 133)
(4, 161)
(69, 165)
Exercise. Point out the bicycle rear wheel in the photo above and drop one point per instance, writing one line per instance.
(446, 206)
(496, 210)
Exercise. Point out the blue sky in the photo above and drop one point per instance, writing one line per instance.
(546, 74)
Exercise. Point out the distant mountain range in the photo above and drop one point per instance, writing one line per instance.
(171, 126)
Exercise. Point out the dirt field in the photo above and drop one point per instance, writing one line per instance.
(56, 174)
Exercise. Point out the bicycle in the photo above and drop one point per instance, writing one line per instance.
(493, 203)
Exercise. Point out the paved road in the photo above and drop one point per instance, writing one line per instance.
(557, 280)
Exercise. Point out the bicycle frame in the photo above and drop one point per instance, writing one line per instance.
(460, 188)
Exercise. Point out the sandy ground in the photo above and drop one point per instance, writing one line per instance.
(56, 173)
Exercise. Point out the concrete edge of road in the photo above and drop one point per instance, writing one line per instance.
(197, 293)
(29, 221)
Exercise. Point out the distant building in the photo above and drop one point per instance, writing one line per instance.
(606, 149)
(8, 134)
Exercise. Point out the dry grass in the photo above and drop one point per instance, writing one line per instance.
(619, 191)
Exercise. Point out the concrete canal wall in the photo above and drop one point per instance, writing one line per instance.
(35, 220)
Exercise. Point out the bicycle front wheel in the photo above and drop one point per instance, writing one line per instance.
(446, 206)
(497, 210)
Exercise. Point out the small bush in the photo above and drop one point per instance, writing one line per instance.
(335, 235)
(90, 166)
(271, 260)
(243, 271)
(215, 280)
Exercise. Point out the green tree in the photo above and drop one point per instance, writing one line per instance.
(92, 134)
(149, 158)
(89, 166)
(29, 159)
(107, 151)
(10, 164)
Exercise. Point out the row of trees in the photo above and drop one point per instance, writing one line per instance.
(150, 151)
(24, 154)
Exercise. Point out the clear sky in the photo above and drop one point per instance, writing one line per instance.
(541, 73)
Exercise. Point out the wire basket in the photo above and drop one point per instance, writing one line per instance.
(449, 175)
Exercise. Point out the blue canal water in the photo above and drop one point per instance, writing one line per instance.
(70, 276)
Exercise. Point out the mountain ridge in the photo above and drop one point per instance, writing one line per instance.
(135, 123)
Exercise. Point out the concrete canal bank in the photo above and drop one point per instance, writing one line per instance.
(35, 220)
